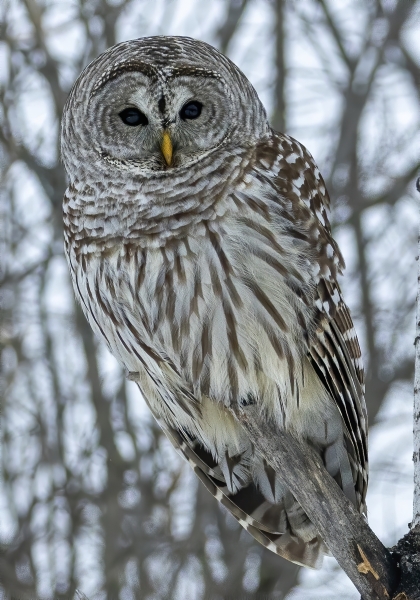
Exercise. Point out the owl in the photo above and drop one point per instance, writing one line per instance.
(200, 249)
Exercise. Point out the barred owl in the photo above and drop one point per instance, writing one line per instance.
(201, 252)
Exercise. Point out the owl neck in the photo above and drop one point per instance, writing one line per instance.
(120, 208)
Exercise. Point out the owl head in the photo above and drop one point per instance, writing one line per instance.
(157, 104)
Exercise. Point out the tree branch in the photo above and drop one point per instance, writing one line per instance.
(278, 120)
(416, 415)
(337, 36)
(358, 551)
(230, 25)
(407, 551)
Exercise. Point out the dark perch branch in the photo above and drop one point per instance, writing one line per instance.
(408, 548)
(407, 552)
(358, 551)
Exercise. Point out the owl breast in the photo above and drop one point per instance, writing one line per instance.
(223, 318)
(198, 328)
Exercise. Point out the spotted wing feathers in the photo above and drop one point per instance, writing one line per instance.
(334, 349)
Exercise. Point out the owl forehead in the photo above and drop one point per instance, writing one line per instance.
(160, 75)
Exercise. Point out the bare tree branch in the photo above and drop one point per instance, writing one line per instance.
(416, 416)
(235, 10)
(337, 36)
(278, 119)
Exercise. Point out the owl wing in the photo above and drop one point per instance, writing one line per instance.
(334, 351)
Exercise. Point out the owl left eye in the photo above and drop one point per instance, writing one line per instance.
(191, 110)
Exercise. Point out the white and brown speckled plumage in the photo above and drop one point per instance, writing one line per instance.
(214, 281)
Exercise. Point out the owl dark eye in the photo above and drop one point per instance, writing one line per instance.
(191, 110)
(133, 117)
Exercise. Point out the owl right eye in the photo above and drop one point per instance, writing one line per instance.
(133, 117)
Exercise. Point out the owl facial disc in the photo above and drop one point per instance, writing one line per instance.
(157, 105)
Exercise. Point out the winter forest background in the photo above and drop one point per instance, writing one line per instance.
(93, 499)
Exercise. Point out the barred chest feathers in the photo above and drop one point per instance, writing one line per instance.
(227, 323)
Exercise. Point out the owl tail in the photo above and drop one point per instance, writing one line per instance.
(282, 527)
(248, 504)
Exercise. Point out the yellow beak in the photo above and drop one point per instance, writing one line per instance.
(167, 148)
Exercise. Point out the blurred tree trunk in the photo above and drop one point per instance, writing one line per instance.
(278, 119)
